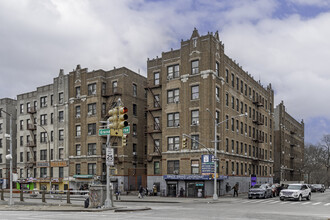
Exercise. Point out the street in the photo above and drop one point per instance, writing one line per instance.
(190, 208)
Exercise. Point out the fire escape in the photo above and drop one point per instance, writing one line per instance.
(155, 129)
(32, 144)
(258, 135)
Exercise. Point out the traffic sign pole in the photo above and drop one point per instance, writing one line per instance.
(108, 201)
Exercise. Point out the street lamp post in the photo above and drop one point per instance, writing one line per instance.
(10, 157)
(215, 195)
(49, 159)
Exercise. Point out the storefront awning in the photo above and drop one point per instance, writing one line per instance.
(83, 176)
(192, 177)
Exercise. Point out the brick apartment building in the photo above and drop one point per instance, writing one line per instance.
(289, 146)
(182, 85)
(92, 95)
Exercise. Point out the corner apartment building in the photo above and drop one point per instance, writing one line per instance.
(182, 85)
(92, 95)
(9, 106)
(42, 134)
(289, 146)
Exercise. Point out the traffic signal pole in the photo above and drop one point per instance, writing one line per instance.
(108, 201)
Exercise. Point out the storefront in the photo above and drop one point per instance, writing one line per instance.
(81, 182)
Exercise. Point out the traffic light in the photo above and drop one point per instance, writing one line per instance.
(184, 142)
(124, 140)
(113, 117)
(122, 118)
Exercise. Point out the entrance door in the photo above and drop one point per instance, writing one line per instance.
(191, 190)
(171, 190)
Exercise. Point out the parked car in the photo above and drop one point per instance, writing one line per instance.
(318, 188)
(296, 192)
(260, 191)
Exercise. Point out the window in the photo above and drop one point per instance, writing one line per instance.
(92, 149)
(104, 89)
(195, 142)
(195, 167)
(60, 116)
(156, 124)
(21, 124)
(60, 172)
(156, 101)
(237, 168)
(232, 124)
(227, 167)
(114, 87)
(173, 72)
(227, 99)
(91, 109)
(51, 118)
(21, 141)
(195, 67)
(51, 136)
(92, 129)
(232, 146)
(173, 143)
(78, 92)
(104, 109)
(227, 145)
(233, 167)
(195, 92)
(134, 90)
(237, 83)
(217, 116)
(78, 111)
(52, 154)
(43, 154)
(60, 98)
(78, 150)
(134, 109)
(156, 79)
(237, 105)
(156, 145)
(21, 108)
(0, 158)
(173, 96)
(173, 167)
(156, 167)
(217, 71)
(43, 119)
(78, 169)
(173, 119)
(78, 130)
(92, 89)
(91, 168)
(27, 156)
(43, 172)
(233, 102)
(60, 153)
(232, 80)
(217, 93)
(21, 157)
(43, 102)
(43, 136)
(195, 117)
(61, 135)
(227, 122)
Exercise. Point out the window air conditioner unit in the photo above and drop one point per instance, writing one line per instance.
(134, 154)
(89, 113)
(232, 151)
(134, 133)
(89, 133)
(195, 122)
(77, 116)
(245, 154)
(175, 172)
(176, 100)
(169, 77)
(218, 99)
(233, 172)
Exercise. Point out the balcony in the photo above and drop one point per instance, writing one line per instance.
(32, 110)
(31, 127)
(151, 84)
(31, 144)
(153, 129)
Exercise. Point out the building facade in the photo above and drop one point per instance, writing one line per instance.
(42, 131)
(188, 89)
(7, 106)
(289, 146)
(92, 95)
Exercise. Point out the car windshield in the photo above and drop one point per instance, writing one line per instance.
(294, 187)
(256, 186)
(317, 185)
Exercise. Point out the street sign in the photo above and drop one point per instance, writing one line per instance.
(104, 132)
(110, 160)
(126, 130)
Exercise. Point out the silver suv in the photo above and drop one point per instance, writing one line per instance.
(296, 191)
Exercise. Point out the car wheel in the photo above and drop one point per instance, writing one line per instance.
(309, 197)
(299, 198)
(250, 197)
(282, 199)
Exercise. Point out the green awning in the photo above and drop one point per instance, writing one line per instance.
(83, 176)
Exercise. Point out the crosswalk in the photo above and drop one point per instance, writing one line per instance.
(293, 203)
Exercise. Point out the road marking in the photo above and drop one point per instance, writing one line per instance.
(246, 201)
(274, 202)
(294, 203)
(266, 202)
(305, 203)
(284, 202)
(316, 203)
(327, 204)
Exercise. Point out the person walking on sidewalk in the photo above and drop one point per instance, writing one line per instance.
(235, 188)
(141, 191)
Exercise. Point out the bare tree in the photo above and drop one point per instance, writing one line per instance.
(314, 163)
(326, 147)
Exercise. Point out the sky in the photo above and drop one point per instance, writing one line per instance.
(282, 42)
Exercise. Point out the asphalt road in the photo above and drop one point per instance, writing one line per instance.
(225, 208)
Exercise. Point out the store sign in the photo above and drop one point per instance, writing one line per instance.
(42, 164)
(59, 164)
(192, 177)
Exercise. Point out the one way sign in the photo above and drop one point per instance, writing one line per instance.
(110, 157)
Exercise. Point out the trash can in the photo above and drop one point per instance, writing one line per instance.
(97, 196)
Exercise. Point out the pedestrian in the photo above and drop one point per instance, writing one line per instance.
(181, 192)
(141, 191)
(235, 188)
(154, 190)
